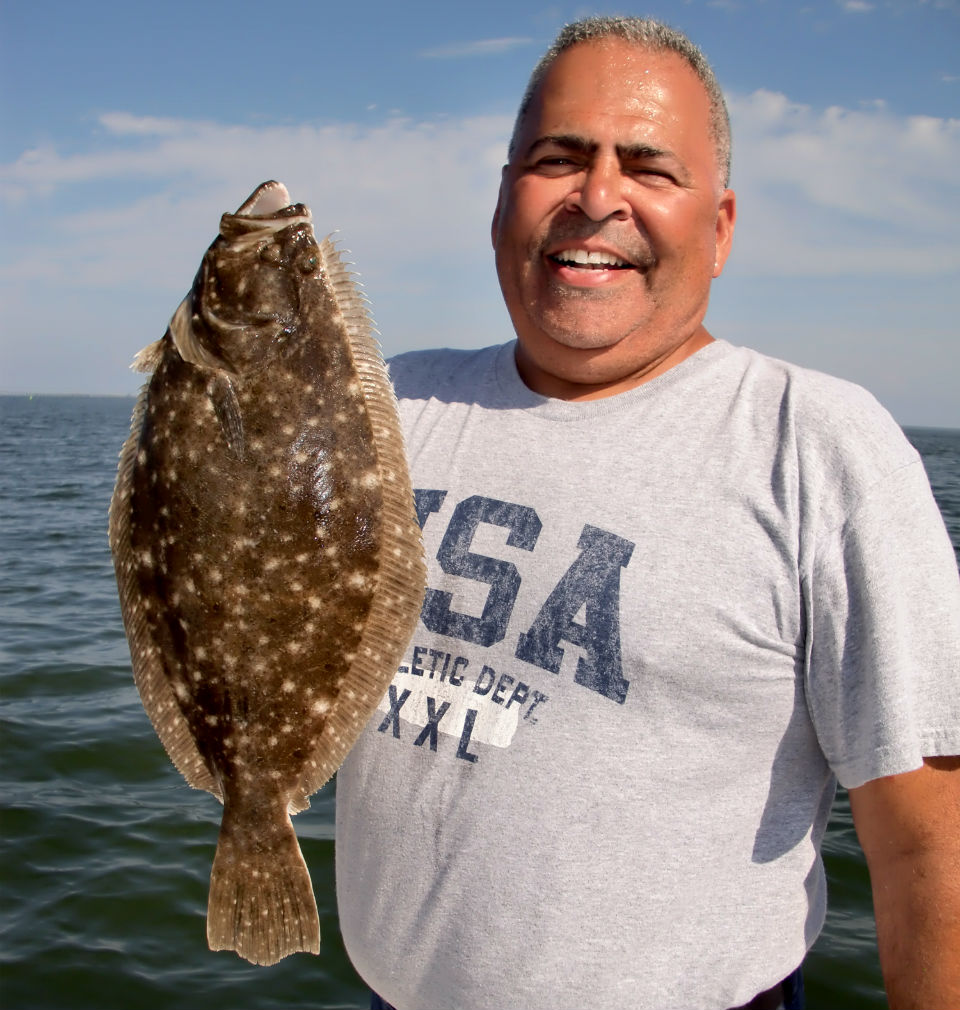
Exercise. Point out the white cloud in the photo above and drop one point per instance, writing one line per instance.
(821, 191)
(126, 123)
(404, 191)
(856, 6)
(480, 47)
(839, 191)
(100, 242)
(98, 246)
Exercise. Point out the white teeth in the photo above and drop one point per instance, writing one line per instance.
(591, 258)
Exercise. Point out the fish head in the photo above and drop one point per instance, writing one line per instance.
(247, 296)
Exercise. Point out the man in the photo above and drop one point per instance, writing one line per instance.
(676, 591)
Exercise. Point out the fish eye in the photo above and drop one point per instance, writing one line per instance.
(270, 252)
(309, 264)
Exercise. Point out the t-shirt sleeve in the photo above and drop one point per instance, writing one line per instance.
(883, 641)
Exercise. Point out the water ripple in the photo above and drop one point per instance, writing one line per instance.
(105, 853)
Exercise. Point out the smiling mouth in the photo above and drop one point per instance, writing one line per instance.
(589, 260)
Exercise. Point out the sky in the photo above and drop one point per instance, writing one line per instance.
(127, 128)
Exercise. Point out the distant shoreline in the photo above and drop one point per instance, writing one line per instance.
(67, 396)
(133, 396)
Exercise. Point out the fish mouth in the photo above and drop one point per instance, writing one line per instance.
(267, 199)
(265, 212)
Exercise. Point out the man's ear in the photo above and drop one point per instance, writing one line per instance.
(726, 219)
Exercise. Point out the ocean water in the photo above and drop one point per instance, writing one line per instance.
(105, 853)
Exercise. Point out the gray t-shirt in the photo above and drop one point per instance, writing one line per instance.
(659, 626)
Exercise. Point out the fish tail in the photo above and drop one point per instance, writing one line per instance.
(261, 899)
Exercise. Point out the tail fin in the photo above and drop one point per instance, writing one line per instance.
(261, 899)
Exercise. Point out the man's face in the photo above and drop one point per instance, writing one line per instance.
(612, 221)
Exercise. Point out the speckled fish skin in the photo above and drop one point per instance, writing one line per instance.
(267, 551)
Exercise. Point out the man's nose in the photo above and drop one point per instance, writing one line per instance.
(600, 194)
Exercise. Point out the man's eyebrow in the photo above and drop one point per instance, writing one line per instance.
(638, 152)
(570, 141)
(581, 145)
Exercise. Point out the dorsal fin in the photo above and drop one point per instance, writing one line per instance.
(402, 572)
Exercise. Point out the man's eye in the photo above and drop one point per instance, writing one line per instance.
(555, 165)
(653, 174)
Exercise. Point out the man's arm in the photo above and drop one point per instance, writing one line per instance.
(909, 828)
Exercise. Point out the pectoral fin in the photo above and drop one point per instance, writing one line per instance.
(227, 408)
(186, 342)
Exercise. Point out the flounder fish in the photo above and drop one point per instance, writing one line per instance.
(267, 550)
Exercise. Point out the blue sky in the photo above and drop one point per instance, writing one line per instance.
(126, 129)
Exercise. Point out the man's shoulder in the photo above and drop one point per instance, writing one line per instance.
(816, 397)
(825, 416)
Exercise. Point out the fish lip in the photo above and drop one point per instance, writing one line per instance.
(553, 251)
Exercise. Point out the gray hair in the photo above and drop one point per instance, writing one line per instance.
(647, 34)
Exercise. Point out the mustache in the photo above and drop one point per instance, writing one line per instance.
(621, 240)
